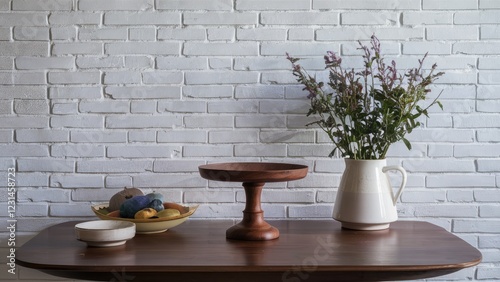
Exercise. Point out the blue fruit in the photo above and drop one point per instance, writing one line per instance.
(133, 205)
(156, 204)
(154, 195)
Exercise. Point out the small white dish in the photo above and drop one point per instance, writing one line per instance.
(105, 233)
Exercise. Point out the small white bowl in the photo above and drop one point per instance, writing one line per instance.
(105, 233)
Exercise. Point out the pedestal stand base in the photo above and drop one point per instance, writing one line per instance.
(365, 226)
(252, 233)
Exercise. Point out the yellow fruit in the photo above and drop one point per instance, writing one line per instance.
(145, 213)
(168, 213)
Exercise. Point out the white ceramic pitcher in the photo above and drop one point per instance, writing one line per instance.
(365, 198)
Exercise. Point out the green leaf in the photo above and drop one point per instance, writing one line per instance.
(407, 143)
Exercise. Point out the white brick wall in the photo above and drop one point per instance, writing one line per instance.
(100, 95)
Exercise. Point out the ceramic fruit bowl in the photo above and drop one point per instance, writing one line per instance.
(148, 226)
(107, 233)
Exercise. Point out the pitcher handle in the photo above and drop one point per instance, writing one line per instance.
(403, 182)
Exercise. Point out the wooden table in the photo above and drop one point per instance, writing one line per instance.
(308, 250)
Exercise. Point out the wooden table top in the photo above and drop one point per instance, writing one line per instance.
(307, 250)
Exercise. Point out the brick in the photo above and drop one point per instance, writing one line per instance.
(300, 18)
(41, 135)
(171, 63)
(99, 62)
(232, 136)
(483, 48)
(24, 48)
(24, 122)
(306, 34)
(39, 63)
(31, 107)
(70, 210)
(489, 241)
(122, 77)
(261, 121)
(77, 150)
(363, 5)
(182, 136)
(452, 33)
(137, 121)
(143, 92)
(143, 18)
(449, 5)
(143, 48)
(172, 166)
(233, 107)
(485, 92)
(486, 195)
(474, 121)
(427, 18)
(102, 34)
(42, 5)
(113, 166)
(220, 77)
(45, 165)
(296, 49)
(162, 77)
(23, 78)
(81, 92)
(76, 181)
(309, 150)
(138, 151)
(6, 63)
(458, 181)
(370, 18)
(182, 106)
(208, 151)
(77, 122)
(24, 150)
(476, 226)
(273, 5)
(220, 34)
(31, 33)
(442, 135)
(262, 34)
(207, 91)
(221, 49)
(316, 181)
(487, 135)
(137, 107)
(489, 211)
(446, 210)
(490, 32)
(23, 19)
(120, 181)
(44, 195)
(74, 77)
(220, 18)
(440, 150)
(66, 33)
(104, 107)
(181, 34)
(441, 165)
(420, 48)
(204, 121)
(220, 63)
(98, 137)
(265, 150)
(6, 136)
(79, 48)
(460, 196)
(222, 5)
(260, 92)
(310, 211)
(423, 197)
(138, 62)
(86, 18)
(486, 165)
(142, 136)
(167, 181)
(204, 196)
(148, 34)
(92, 194)
(476, 17)
(114, 5)
(489, 4)
(31, 179)
(489, 77)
